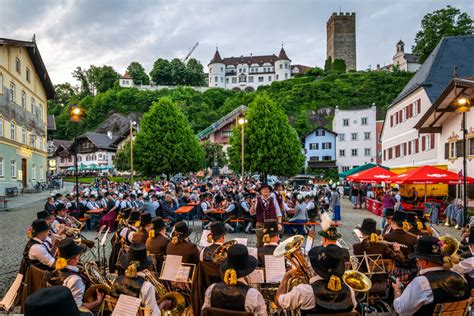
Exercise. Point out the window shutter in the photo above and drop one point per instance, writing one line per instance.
(446, 151)
(397, 151)
(410, 109)
(418, 104)
(385, 154)
(405, 148)
(432, 141)
(396, 118)
(409, 148)
(423, 143)
(417, 145)
(390, 153)
(391, 120)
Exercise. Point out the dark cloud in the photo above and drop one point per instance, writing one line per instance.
(115, 32)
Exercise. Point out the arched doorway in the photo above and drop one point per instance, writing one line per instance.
(249, 89)
(24, 170)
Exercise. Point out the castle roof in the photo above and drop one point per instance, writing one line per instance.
(282, 55)
(437, 70)
(126, 76)
(217, 58)
(263, 59)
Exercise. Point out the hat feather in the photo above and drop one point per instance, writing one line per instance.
(325, 221)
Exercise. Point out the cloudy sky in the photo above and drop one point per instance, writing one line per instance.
(116, 32)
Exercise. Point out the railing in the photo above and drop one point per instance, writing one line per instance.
(12, 111)
(222, 121)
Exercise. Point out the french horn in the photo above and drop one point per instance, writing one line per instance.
(450, 248)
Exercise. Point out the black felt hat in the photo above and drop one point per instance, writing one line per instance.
(238, 258)
(145, 219)
(69, 249)
(327, 261)
(410, 218)
(389, 212)
(428, 248)
(134, 216)
(369, 226)
(265, 185)
(182, 230)
(158, 223)
(136, 252)
(38, 226)
(331, 233)
(398, 217)
(217, 230)
(270, 227)
(43, 214)
(54, 300)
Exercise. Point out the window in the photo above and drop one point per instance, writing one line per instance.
(452, 150)
(260, 79)
(364, 121)
(1, 167)
(23, 135)
(353, 136)
(12, 92)
(327, 158)
(18, 65)
(227, 133)
(327, 145)
(234, 79)
(23, 100)
(222, 69)
(277, 77)
(250, 79)
(242, 79)
(12, 131)
(222, 79)
(41, 175)
(1, 83)
(320, 133)
(345, 122)
(354, 152)
(286, 76)
(32, 106)
(226, 80)
(33, 172)
(281, 66)
(367, 152)
(13, 169)
(345, 168)
(366, 135)
(216, 79)
(32, 140)
(342, 152)
(470, 149)
(28, 77)
(342, 137)
(428, 142)
(313, 146)
(86, 145)
(404, 114)
(1, 126)
(269, 78)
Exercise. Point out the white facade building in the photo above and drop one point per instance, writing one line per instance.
(247, 73)
(127, 82)
(405, 61)
(356, 137)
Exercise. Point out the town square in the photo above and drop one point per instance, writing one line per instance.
(261, 157)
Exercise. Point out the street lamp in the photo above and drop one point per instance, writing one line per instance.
(132, 124)
(76, 114)
(242, 121)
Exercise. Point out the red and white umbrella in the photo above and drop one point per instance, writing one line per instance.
(429, 175)
(376, 174)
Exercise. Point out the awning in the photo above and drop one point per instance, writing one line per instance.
(373, 175)
(359, 169)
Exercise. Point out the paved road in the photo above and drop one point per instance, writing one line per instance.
(13, 225)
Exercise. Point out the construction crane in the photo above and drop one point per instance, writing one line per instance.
(185, 59)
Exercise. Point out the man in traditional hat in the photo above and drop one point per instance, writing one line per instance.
(133, 283)
(157, 241)
(388, 220)
(326, 293)
(436, 283)
(216, 237)
(145, 225)
(67, 273)
(244, 204)
(180, 244)
(133, 223)
(270, 240)
(54, 300)
(265, 207)
(36, 251)
(234, 293)
(330, 236)
(61, 218)
(49, 220)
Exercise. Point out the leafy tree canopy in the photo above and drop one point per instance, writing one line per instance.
(214, 154)
(138, 74)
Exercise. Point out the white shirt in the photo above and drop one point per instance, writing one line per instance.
(302, 297)
(465, 266)
(40, 252)
(254, 302)
(416, 294)
(76, 285)
(310, 205)
(148, 297)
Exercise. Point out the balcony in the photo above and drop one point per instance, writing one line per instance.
(316, 163)
(12, 111)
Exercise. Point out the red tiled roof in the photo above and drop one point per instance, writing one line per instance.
(126, 76)
(282, 55)
(250, 60)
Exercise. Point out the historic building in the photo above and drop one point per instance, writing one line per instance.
(341, 38)
(95, 148)
(320, 148)
(402, 144)
(59, 152)
(248, 72)
(25, 87)
(404, 61)
(356, 137)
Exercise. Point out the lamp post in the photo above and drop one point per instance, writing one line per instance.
(76, 115)
(242, 121)
(132, 123)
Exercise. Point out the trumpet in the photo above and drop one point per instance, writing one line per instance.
(77, 223)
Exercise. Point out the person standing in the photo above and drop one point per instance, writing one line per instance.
(388, 201)
(335, 204)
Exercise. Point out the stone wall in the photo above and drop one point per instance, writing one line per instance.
(341, 38)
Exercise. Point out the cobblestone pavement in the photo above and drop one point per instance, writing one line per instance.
(13, 225)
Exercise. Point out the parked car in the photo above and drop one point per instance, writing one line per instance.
(300, 180)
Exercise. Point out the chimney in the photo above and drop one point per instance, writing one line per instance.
(109, 134)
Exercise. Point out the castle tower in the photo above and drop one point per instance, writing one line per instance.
(217, 71)
(400, 47)
(282, 66)
(341, 38)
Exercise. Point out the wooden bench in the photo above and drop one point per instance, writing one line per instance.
(452, 309)
(13, 191)
(309, 224)
(3, 199)
(237, 222)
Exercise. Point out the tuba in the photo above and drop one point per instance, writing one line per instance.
(291, 249)
(357, 281)
(221, 252)
(450, 247)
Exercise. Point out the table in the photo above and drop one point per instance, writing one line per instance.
(186, 209)
(374, 206)
(97, 211)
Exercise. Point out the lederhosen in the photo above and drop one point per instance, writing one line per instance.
(35, 262)
(127, 286)
(230, 297)
(447, 286)
(262, 251)
(208, 251)
(328, 302)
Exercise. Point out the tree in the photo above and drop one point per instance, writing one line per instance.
(65, 93)
(328, 64)
(339, 65)
(161, 72)
(84, 76)
(122, 158)
(138, 74)
(214, 155)
(103, 77)
(178, 72)
(448, 21)
(166, 143)
(194, 73)
(272, 146)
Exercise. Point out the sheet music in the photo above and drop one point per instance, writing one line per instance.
(358, 233)
(170, 268)
(9, 299)
(182, 275)
(253, 252)
(309, 244)
(203, 242)
(274, 269)
(104, 238)
(257, 276)
(126, 305)
(242, 241)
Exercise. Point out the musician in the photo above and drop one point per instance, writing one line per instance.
(234, 293)
(388, 219)
(36, 251)
(61, 218)
(311, 209)
(278, 187)
(216, 237)
(180, 244)
(245, 204)
(326, 293)
(145, 225)
(265, 207)
(330, 237)
(157, 241)
(413, 226)
(67, 273)
(133, 283)
(270, 241)
(206, 206)
(436, 283)
(49, 206)
(370, 244)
